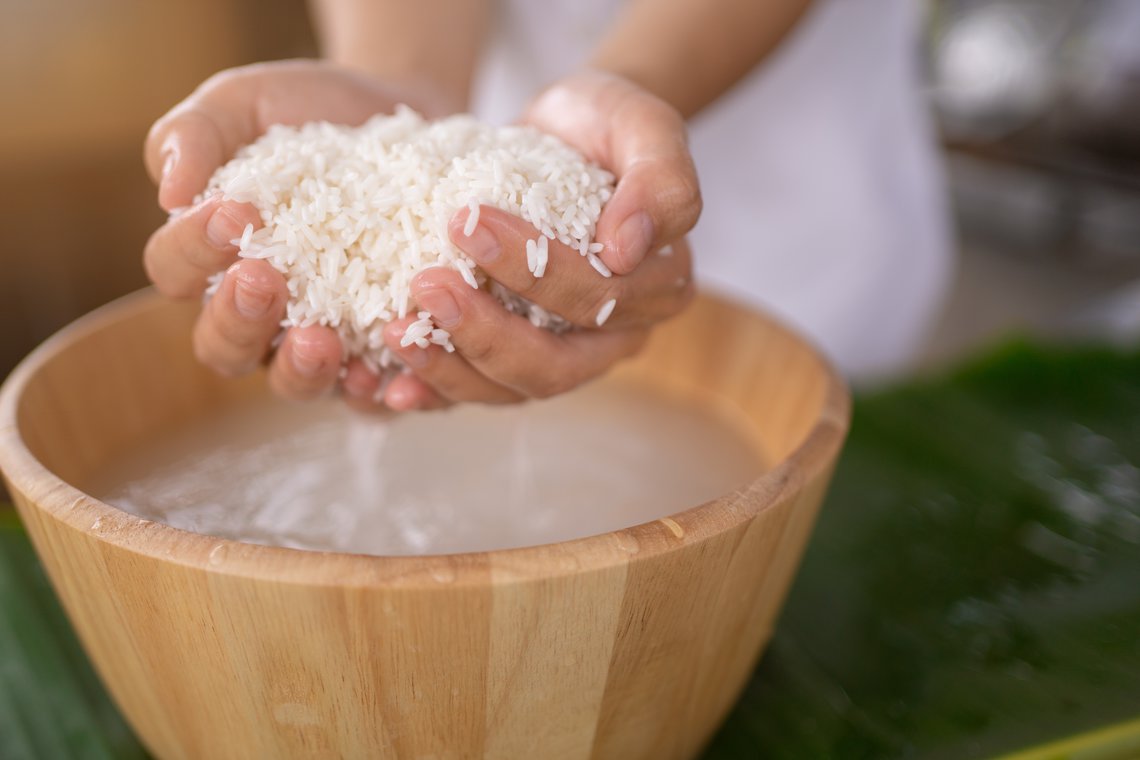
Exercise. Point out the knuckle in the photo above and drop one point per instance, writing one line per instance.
(222, 79)
(285, 385)
(303, 388)
(199, 254)
(687, 199)
(152, 148)
(447, 383)
(205, 351)
(548, 386)
(478, 341)
(149, 267)
(504, 398)
(174, 288)
(227, 351)
(539, 386)
(561, 374)
(457, 390)
(527, 285)
(479, 348)
(154, 134)
(165, 281)
(239, 337)
(169, 290)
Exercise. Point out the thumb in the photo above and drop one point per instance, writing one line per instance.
(643, 141)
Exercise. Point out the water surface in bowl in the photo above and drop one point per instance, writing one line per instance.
(472, 478)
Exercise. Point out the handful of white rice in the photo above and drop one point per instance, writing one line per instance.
(351, 215)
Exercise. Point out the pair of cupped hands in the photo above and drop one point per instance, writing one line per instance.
(499, 357)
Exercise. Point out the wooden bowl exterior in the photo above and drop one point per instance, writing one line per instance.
(625, 645)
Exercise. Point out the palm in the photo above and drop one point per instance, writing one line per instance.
(236, 107)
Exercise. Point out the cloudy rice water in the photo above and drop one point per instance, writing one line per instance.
(473, 478)
(350, 215)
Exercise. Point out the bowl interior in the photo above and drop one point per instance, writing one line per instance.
(126, 374)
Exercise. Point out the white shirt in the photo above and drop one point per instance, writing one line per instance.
(823, 192)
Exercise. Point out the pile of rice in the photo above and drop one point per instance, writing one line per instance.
(351, 215)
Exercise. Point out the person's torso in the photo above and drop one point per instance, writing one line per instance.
(821, 185)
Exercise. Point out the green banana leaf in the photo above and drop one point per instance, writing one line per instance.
(972, 588)
(973, 584)
(51, 704)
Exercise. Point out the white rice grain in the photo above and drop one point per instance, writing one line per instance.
(605, 312)
(472, 218)
(599, 265)
(531, 255)
(466, 273)
(350, 215)
(541, 256)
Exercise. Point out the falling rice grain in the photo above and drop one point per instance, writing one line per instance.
(605, 312)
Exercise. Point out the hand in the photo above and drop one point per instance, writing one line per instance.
(501, 357)
(183, 150)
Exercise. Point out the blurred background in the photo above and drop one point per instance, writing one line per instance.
(82, 81)
(1038, 108)
(1038, 103)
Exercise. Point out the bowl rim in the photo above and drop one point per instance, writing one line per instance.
(27, 477)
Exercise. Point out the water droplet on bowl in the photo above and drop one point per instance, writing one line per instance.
(627, 542)
(443, 572)
(217, 555)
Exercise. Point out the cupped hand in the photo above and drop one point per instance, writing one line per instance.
(183, 149)
(501, 357)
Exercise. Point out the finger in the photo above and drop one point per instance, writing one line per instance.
(659, 288)
(184, 149)
(448, 374)
(307, 363)
(643, 141)
(508, 349)
(364, 391)
(238, 323)
(233, 108)
(571, 287)
(408, 393)
(184, 253)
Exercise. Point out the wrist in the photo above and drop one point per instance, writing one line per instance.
(428, 97)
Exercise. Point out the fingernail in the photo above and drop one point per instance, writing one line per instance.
(400, 399)
(170, 160)
(307, 359)
(634, 237)
(441, 304)
(251, 302)
(222, 228)
(481, 245)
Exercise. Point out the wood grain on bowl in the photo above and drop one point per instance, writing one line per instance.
(624, 645)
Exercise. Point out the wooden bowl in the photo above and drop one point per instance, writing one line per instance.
(631, 644)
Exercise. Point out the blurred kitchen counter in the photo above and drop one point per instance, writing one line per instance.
(82, 81)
